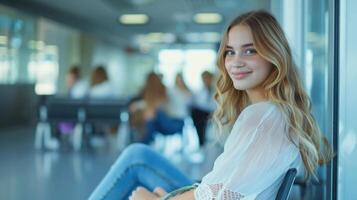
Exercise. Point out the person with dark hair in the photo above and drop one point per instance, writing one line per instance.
(203, 106)
(100, 86)
(77, 88)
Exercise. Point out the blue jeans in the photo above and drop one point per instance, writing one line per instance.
(139, 165)
(162, 123)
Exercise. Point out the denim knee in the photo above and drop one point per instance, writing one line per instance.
(136, 152)
(136, 148)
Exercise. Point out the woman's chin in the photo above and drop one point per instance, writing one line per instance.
(239, 86)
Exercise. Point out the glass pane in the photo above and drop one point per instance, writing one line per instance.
(347, 136)
(191, 63)
(316, 77)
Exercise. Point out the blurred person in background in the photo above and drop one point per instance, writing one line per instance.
(101, 89)
(179, 98)
(100, 84)
(203, 105)
(150, 114)
(77, 88)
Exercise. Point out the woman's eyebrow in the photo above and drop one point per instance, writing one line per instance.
(247, 45)
(228, 47)
(243, 46)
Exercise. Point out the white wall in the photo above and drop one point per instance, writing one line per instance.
(139, 65)
(347, 182)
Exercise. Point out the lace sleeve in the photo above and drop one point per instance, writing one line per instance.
(214, 191)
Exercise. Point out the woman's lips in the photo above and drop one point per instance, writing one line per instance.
(240, 75)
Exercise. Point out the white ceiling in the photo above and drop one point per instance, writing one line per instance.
(99, 17)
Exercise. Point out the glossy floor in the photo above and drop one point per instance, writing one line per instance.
(26, 173)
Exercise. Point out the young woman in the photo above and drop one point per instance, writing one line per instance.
(260, 96)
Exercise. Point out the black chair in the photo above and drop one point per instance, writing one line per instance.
(104, 110)
(110, 112)
(61, 109)
(53, 110)
(286, 185)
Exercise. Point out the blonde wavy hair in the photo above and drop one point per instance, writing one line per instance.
(154, 93)
(283, 87)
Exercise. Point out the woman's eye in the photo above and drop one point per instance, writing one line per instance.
(250, 52)
(229, 53)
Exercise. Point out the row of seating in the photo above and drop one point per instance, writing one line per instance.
(53, 110)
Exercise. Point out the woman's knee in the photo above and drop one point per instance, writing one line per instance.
(136, 148)
(136, 152)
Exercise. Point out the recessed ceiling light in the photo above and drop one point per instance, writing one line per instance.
(207, 18)
(134, 19)
(156, 37)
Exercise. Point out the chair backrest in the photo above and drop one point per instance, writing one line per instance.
(58, 109)
(105, 110)
(286, 185)
(64, 109)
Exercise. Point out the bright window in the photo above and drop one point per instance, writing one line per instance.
(191, 63)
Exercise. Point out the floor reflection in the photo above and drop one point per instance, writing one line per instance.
(26, 173)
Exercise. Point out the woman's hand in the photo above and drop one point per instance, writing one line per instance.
(141, 193)
(160, 192)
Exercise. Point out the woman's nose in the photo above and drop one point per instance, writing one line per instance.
(237, 61)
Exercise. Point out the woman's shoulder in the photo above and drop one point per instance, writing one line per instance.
(258, 115)
(259, 106)
(259, 111)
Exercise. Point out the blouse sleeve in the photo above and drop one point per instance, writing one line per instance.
(256, 155)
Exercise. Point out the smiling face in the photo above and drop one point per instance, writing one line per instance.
(246, 68)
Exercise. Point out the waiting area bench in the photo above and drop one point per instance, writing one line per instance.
(80, 112)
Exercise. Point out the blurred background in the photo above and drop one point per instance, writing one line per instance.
(75, 79)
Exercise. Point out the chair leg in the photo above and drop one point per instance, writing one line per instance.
(49, 142)
(123, 136)
(39, 133)
(77, 137)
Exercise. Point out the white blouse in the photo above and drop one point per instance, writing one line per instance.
(256, 156)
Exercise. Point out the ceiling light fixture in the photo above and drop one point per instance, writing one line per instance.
(156, 37)
(207, 18)
(134, 19)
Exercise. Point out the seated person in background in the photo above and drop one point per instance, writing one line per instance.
(100, 85)
(179, 98)
(77, 88)
(203, 105)
(101, 89)
(152, 109)
(261, 99)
